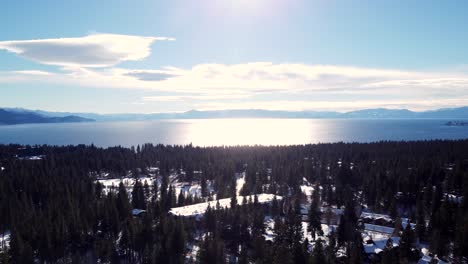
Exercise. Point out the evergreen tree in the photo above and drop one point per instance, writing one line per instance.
(406, 243)
(318, 254)
(315, 215)
(123, 203)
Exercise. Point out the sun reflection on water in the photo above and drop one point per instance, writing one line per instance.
(248, 132)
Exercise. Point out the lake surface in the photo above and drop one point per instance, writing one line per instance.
(215, 132)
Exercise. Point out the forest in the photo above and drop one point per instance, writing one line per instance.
(332, 203)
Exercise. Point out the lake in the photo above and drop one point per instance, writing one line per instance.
(215, 132)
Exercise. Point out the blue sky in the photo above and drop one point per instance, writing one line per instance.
(164, 56)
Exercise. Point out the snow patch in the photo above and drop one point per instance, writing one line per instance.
(240, 183)
(200, 208)
(5, 240)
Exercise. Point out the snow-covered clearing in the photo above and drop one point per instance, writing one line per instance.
(113, 184)
(187, 188)
(200, 208)
(327, 229)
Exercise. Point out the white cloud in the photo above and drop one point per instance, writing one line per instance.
(97, 50)
(202, 97)
(90, 62)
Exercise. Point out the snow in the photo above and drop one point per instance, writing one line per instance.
(327, 229)
(136, 212)
(307, 190)
(404, 222)
(454, 198)
(200, 208)
(427, 259)
(378, 245)
(376, 216)
(335, 211)
(153, 169)
(269, 226)
(193, 189)
(192, 252)
(425, 251)
(38, 157)
(187, 188)
(110, 184)
(4, 240)
(378, 228)
(240, 183)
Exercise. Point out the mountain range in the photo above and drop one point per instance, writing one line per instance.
(22, 116)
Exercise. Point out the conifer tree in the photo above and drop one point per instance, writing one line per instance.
(315, 215)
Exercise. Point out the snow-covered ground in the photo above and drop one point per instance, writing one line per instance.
(307, 190)
(113, 184)
(378, 228)
(426, 257)
(454, 198)
(38, 157)
(374, 216)
(4, 240)
(306, 187)
(379, 244)
(240, 181)
(387, 218)
(270, 225)
(200, 208)
(192, 252)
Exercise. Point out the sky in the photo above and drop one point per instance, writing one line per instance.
(152, 56)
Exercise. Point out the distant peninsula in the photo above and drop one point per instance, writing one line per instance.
(19, 116)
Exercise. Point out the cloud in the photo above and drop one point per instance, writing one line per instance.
(97, 50)
(151, 75)
(90, 61)
(203, 97)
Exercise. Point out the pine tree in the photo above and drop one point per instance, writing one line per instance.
(331, 248)
(315, 215)
(138, 196)
(243, 258)
(123, 203)
(420, 221)
(406, 243)
(388, 255)
(318, 254)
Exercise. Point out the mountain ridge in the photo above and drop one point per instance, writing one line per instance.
(22, 116)
(372, 113)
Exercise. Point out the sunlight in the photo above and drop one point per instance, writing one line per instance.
(243, 9)
(249, 132)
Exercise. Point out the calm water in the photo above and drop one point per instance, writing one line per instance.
(230, 132)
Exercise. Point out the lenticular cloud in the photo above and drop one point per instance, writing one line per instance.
(97, 50)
